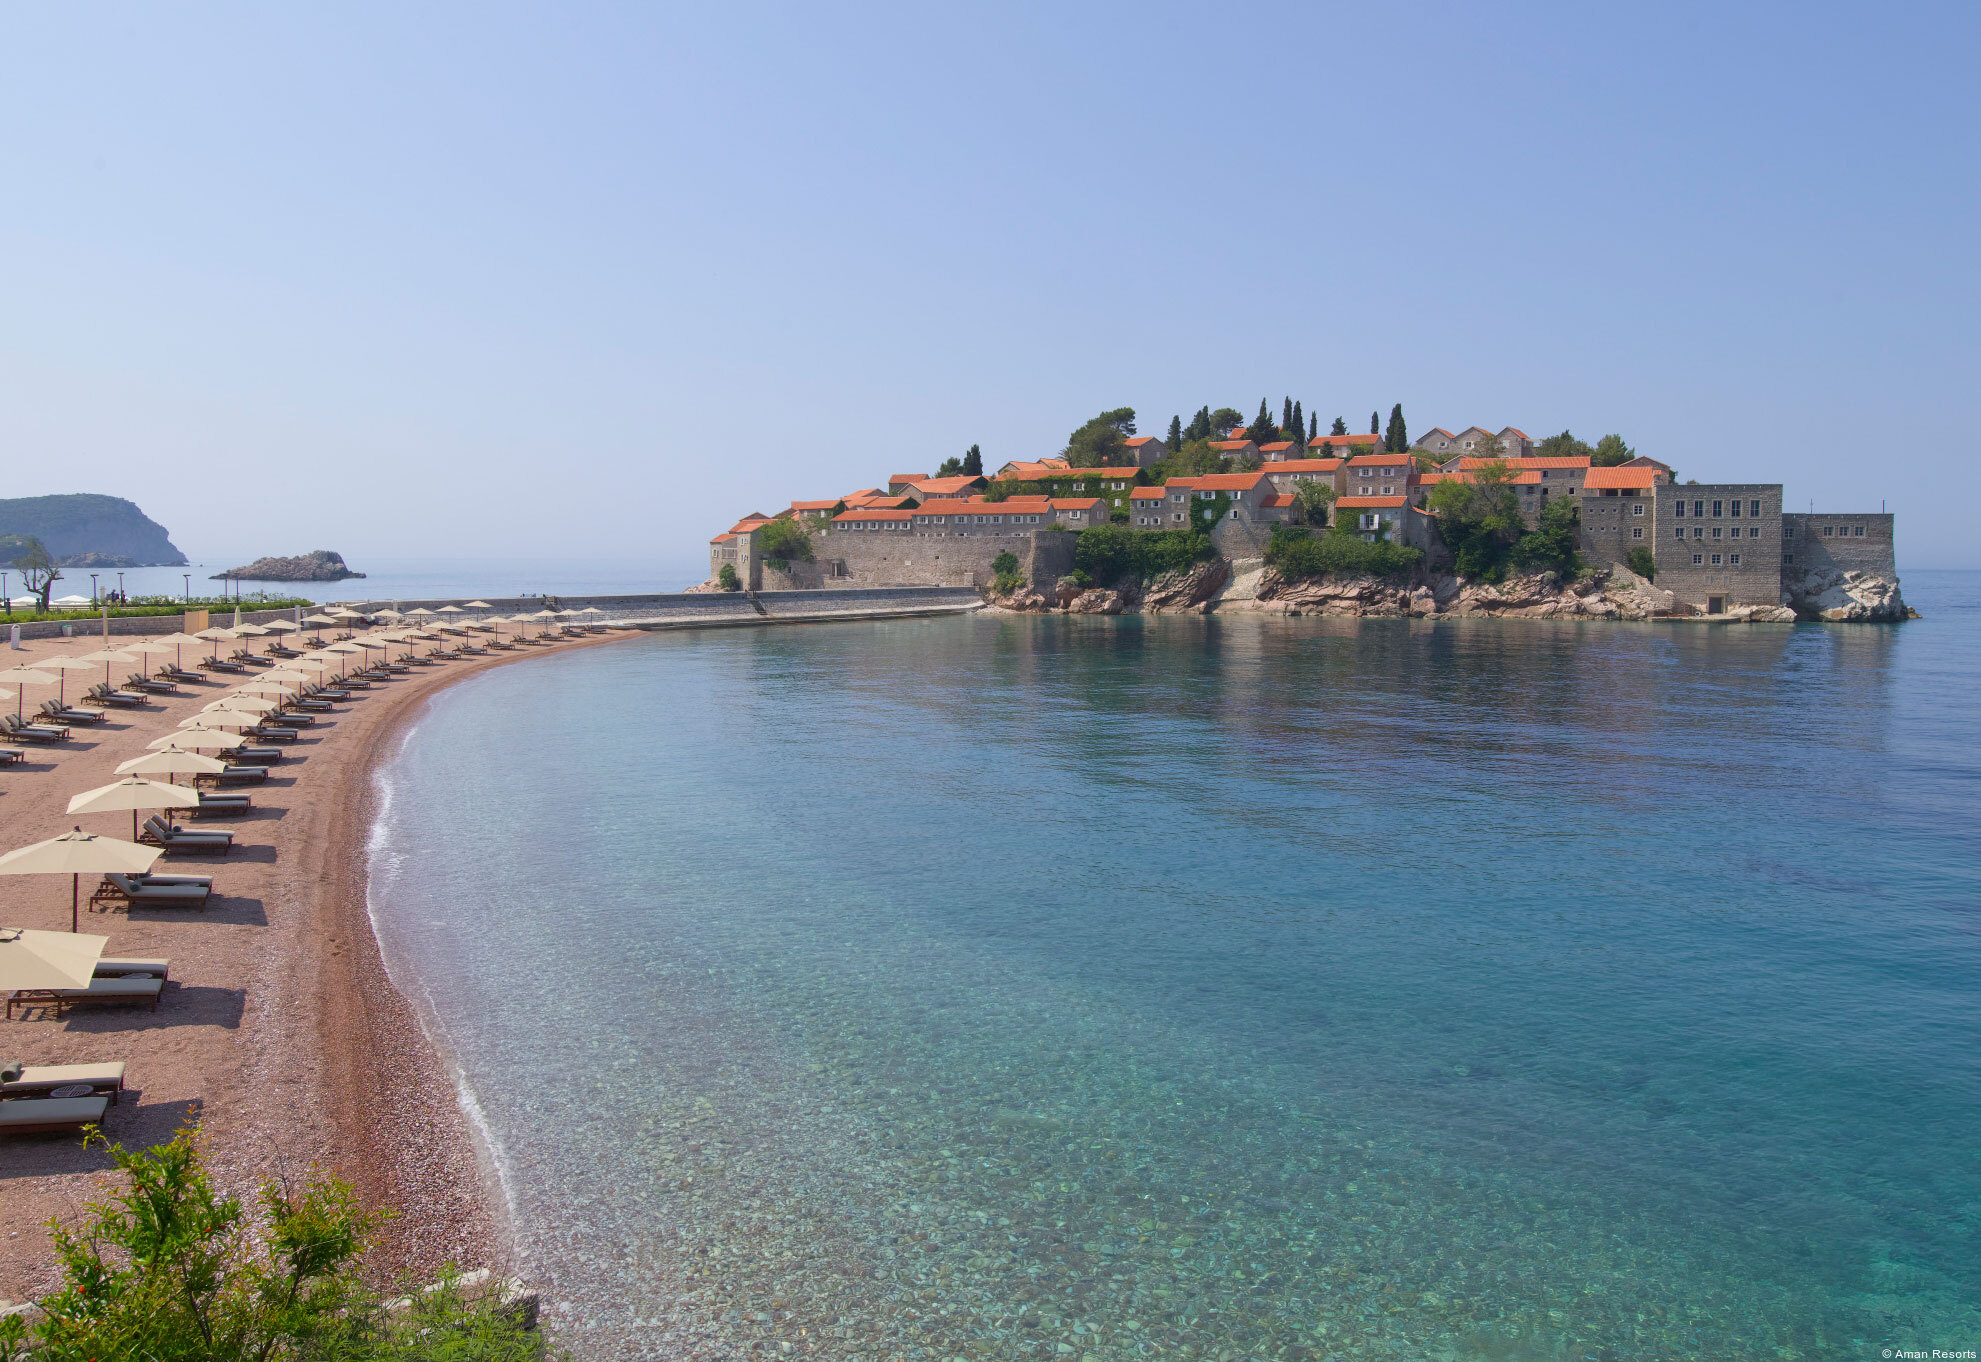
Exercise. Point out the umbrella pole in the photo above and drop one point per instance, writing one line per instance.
(75, 902)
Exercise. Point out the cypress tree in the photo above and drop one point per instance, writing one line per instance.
(1286, 417)
(1175, 441)
(1398, 438)
(1341, 427)
(1313, 427)
(1375, 423)
(973, 462)
(1299, 430)
(1265, 416)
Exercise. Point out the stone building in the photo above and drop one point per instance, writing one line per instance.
(1512, 442)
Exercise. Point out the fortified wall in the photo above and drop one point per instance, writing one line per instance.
(884, 558)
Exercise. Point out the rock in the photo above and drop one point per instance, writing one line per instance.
(1099, 601)
(1192, 590)
(87, 529)
(1848, 597)
(319, 565)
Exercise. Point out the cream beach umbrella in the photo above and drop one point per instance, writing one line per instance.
(133, 793)
(171, 763)
(478, 605)
(62, 666)
(107, 659)
(420, 611)
(77, 854)
(269, 685)
(247, 704)
(220, 718)
(215, 636)
(149, 648)
(196, 740)
(19, 677)
(178, 641)
(31, 959)
(448, 610)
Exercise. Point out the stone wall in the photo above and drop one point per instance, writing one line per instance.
(1710, 532)
(140, 625)
(880, 558)
(1827, 542)
(1612, 526)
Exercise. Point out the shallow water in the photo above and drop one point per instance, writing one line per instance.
(1228, 988)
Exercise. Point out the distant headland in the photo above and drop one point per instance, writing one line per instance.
(1276, 515)
(318, 565)
(86, 529)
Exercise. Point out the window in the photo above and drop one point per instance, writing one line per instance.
(1638, 509)
(1698, 532)
(1733, 560)
(1788, 532)
(1753, 531)
(1829, 530)
(1637, 532)
(1681, 506)
(1858, 532)
(1716, 508)
(1753, 508)
(1733, 507)
(1696, 560)
(1716, 560)
(1716, 531)
(1788, 558)
(1681, 531)
(1698, 508)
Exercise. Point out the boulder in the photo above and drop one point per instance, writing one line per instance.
(1846, 597)
(1189, 591)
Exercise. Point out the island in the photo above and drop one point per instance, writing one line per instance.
(86, 529)
(318, 565)
(1277, 515)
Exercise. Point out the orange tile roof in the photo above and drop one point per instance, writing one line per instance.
(1229, 482)
(1229, 444)
(938, 487)
(1472, 461)
(871, 513)
(1185, 483)
(1303, 466)
(722, 539)
(1276, 444)
(1148, 494)
(1076, 503)
(816, 505)
(1621, 476)
(1440, 430)
(1048, 474)
(1518, 431)
(1139, 440)
(1333, 441)
(1380, 461)
(876, 502)
(1353, 502)
(906, 477)
(1280, 499)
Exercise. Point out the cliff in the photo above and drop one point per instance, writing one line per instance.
(84, 529)
(319, 565)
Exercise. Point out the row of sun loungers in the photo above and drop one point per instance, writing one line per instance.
(176, 841)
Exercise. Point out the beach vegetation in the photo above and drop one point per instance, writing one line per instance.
(1298, 553)
(1550, 546)
(1480, 520)
(1109, 554)
(168, 1269)
(726, 578)
(783, 542)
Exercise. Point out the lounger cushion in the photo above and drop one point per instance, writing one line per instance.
(48, 1077)
(32, 1112)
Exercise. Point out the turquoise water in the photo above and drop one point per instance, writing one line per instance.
(1220, 988)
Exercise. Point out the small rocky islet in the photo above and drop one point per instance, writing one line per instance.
(319, 565)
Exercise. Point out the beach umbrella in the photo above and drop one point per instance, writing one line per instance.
(478, 605)
(171, 763)
(419, 610)
(149, 648)
(77, 854)
(133, 793)
(108, 658)
(64, 665)
(179, 641)
(31, 959)
(448, 610)
(251, 704)
(216, 635)
(18, 677)
(220, 718)
(196, 740)
(268, 685)
(281, 627)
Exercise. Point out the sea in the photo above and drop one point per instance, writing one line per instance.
(1000, 987)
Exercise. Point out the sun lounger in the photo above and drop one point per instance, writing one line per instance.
(36, 1115)
(221, 805)
(170, 673)
(109, 967)
(101, 992)
(39, 1081)
(130, 889)
(279, 651)
(123, 699)
(12, 754)
(233, 775)
(214, 664)
(150, 685)
(55, 712)
(250, 756)
(159, 833)
(284, 719)
(13, 727)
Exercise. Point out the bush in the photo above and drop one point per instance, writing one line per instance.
(1297, 552)
(169, 1269)
(726, 578)
(1108, 554)
(782, 542)
(1641, 561)
(1006, 578)
(1552, 545)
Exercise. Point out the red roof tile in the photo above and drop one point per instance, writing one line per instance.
(1230, 482)
(1621, 476)
(1336, 441)
(1353, 502)
(1302, 466)
(1148, 494)
(1279, 499)
(1380, 461)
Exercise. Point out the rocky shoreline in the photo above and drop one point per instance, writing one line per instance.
(320, 565)
(1610, 593)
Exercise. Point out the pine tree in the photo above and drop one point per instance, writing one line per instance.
(1341, 427)
(1398, 438)
(973, 462)
(1175, 441)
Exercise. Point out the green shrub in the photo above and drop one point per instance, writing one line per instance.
(1007, 578)
(1297, 552)
(1110, 553)
(1641, 561)
(784, 541)
(168, 1269)
(726, 578)
(1552, 545)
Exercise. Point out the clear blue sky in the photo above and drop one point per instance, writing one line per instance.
(583, 278)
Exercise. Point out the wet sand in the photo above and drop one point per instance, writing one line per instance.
(279, 1031)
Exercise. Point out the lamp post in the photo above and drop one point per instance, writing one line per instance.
(6, 595)
(120, 588)
(92, 589)
(189, 586)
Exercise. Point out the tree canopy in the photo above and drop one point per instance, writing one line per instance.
(1563, 446)
(1225, 420)
(782, 541)
(1098, 441)
(1397, 438)
(1611, 451)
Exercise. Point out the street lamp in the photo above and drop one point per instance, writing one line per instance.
(6, 595)
(92, 588)
(120, 588)
(189, 586)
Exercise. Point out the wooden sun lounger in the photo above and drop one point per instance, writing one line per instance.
(221, 805)
(214, 664)
(123, 699)
(103, 992)
(39, 1115)
(151, 685)
(233, 775)
(39, 1081)
(12, 754)
(250, 756)
(162, 834)
(55, 712)
(153, 893)
(13, 727)
(170, 673)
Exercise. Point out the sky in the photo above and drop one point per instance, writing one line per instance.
(470, 280)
